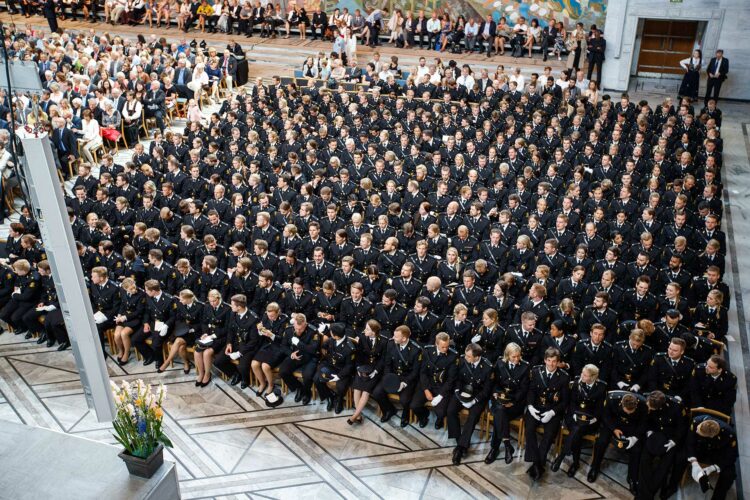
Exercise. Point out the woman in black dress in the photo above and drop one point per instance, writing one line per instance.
(691, 80)
(369, 361)
(187, 325)
(129, 317)
(213, 338)
(271, 353)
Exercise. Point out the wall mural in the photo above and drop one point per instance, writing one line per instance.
(568, 11)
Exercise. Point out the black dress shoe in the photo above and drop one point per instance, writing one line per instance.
(509, 453)
(298, 395)
(492, 455)
(63, 346)
(50, 342)
(404, 423)
(532, 472)
(439, 423)
(330, 404)
(540, 470)
(20, 332)
(557, 463)
(339, 406)
(197, 383)
(458, 453)
(42, 339)
(236, 379)
(122, 362)
(592, 475)
(244, 385)
(387, 415)
(633, 486)
(306, 398)
(148, 361)
(424, 421)
(573, 469)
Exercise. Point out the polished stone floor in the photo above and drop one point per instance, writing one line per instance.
(229, 445)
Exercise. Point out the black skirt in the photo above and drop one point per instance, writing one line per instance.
(689, 85)
(271, 355)
(365, 384)
(182, 330)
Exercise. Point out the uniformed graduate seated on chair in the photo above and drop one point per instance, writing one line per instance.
(105, 301)
(47, 303)
(186, 328)
(301, 344)
(158, 320)
(630, 362)
(437, 378)
(369, 359)
(583, 415)
(547, 400)
(671, 371)
(508, 400)
(710, 447)
(403, 358)
(242, 341)
(624, 423)
(713, 386)
(666, 425)
(336, 366)
(473, 389)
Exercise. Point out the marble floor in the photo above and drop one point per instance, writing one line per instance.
(227, 444)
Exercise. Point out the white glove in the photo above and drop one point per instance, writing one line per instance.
(593, 421)
(631, 442)
(235, 355)
(648, 434)
(436, 400)
(469, 404)
(670, 444)
(622, 385)
(678, 398)
(374, 372)
(163, 331)
(295, 340)
(476, 338)
(99, 317)
(711, 469)
(334, 378)
(402, 386)
(635, 388)
(547, 416)
(533, 411)
(696, 472)
(588, 170)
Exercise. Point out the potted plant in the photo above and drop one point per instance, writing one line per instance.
(138, 426)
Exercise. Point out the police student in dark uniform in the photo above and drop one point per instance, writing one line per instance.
(336, 367)
(596, 351)
(158, 320)
(437, 378)
(105, 301)
(242, 342)
(186, 327)
(709, 441)
(583, 415)
(473, 389)
(670, 371)
(355, 309)
(713, 386)
(631, 360)
(546, 401)
(666, 424)
(128, 318)
(508, 400)
(47, 303)
(213, 338)
(403, 357)
(624, 421)
(301, 343)
(458, 328)
(369, 362)
(271, 351)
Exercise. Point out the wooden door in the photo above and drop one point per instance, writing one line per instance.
(664, 44)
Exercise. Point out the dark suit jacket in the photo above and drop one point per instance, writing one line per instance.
(493, 28)
(723, 68)
(67, 139)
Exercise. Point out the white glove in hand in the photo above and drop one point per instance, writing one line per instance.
(678, 398)
(648, 434)
(436, 400)
(476, 338)
(711, 469)
(533, 411)
(402, 386)
(696, 472)
(295, 341)
(164, 331)
(547, 416)
(593, 421)
(235, 355)
(469, 404)
(631, 442)
(622, 385)
(374, 372)
(635, 388)
(670, 444)
(334, 378)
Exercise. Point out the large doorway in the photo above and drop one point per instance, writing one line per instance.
(664, 44)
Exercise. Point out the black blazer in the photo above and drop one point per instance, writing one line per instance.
(66, 138)
(723, 68)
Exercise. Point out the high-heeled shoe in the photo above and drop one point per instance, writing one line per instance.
(198, 383)
(161, 370)
(260, 391)
(122, 362)
(186, 370)
(204, 384)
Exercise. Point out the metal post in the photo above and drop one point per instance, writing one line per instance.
(52, 215)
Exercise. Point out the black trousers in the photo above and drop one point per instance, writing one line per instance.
(727, 475)
(54, 325)
(653, 472)
(600, 449)
(417, 36)
(307, 367)
(325, 392)
(537, 449)
(103, 327)
(224, 363)
(14, 311)
(713, 87)
(574, 439)
(501, 417)
(462, 434)
(31, 320)
(158, 114)
(317, 31)
(154, 351)
(405, 397)
(595, 64)
(419, 400)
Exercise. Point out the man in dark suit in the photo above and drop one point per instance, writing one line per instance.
(487, 33)
(228, 65)
(716, 71)
(65, 143)
(319, 23)
(596, 47)
(183, 76)
(154, 104)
